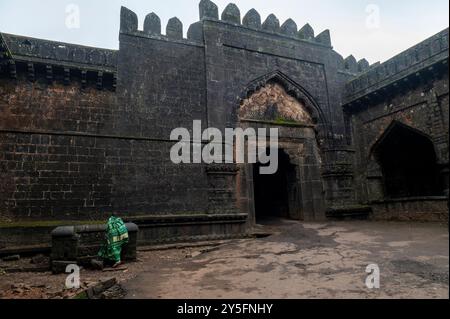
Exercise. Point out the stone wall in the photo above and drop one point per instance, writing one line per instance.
(412, 209)
(85, 132)
(64, 156)
(414, 93)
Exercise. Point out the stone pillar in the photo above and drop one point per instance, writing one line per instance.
(444, 174)
(375, 184)
(338, 174)
(222, 188)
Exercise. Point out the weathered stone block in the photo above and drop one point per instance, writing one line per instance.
(152, 24)
(363, 65)
(289, 28)
(306, 32)
(78, 244)
(128, 20)
(350, 64)
(195, 32)
(208, 10)
(231, 14)
(252, 19)
(324, 38)
(174, 29)
(271, 24)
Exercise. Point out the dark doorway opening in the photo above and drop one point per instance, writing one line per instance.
(272, 193)
(408, 162)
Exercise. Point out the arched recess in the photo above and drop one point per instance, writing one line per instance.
(274, 100)
(406, 158)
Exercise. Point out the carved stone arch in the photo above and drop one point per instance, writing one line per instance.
(293, 89)
(275, 100)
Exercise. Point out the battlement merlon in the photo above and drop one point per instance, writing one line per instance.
(420, 58)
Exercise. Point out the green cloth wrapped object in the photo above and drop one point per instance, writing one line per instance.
(116, 237)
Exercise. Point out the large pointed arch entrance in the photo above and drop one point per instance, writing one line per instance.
(296, 190)
(408, 163)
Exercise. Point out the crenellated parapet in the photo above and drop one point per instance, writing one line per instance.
(403, 70)
(230, 15)
(252, 19)
(355, 67)
(153, 28)
(52, 61)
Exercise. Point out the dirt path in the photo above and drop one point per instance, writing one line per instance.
(310, 260)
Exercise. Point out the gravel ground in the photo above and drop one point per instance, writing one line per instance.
(299, 260)
(311, 260)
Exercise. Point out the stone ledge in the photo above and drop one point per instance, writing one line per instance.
(349, 212)
(186, 219)
(16, 237)
(193, 239)
(154, 230)
(411, 199)
(65, 231)
(25, 250)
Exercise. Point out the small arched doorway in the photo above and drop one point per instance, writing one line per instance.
(272, 193)
(408, 163)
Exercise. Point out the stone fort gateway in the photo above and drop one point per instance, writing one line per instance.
(85, 132)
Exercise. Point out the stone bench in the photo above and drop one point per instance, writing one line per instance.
(79, 244)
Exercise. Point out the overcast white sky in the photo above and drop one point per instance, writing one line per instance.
(401, 23)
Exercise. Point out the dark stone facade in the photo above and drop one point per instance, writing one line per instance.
(85, 132)
(400, 108)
